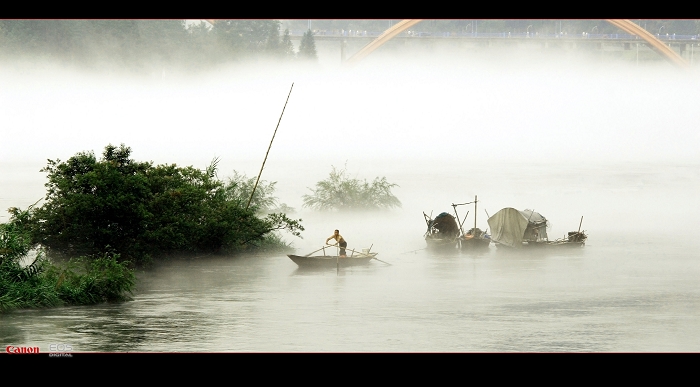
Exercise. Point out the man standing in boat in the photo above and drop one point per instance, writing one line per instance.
(340, 241)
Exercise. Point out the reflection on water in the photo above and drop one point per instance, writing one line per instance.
(592, 299)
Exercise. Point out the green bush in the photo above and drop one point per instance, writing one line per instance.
(81, 281)
(92, 280)
(44, 284)
(339, 192)
(139, 210)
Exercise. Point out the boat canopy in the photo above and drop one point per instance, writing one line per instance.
(511, 227)
(444, 225)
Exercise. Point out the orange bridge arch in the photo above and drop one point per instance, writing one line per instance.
(623, 24)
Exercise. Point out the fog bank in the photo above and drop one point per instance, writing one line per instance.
(411, 119)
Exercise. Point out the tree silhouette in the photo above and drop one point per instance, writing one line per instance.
(307, 47)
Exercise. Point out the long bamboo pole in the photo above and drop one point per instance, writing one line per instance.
(579, 224)
(474, 215)
(454, 207)
(268, 148)
(465, 219)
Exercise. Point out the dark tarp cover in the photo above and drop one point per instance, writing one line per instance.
(445, 224)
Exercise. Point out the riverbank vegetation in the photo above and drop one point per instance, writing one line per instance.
(342, 193)
(42, 283)
(101, 218)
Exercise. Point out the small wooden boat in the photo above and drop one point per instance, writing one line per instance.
(573, 239)
(354, 259)
(331, 261)
(474, 239)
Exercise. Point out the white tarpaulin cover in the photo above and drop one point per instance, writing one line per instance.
(509, 226)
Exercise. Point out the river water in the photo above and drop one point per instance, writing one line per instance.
(632, 288)
(608, 147)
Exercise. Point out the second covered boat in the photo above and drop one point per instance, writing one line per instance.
(513, 228)
(475, 238)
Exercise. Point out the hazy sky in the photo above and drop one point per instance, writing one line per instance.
(392, 112)
(544, 109)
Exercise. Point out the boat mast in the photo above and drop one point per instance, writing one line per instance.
(474, 214)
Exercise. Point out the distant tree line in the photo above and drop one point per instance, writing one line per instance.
(144, 45)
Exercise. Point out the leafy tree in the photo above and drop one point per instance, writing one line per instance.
(287, 45)
(139, 210)
(247, 36)
(307, 47)
(272, 40)
(15, 238)
(91, 205)
(339, 192)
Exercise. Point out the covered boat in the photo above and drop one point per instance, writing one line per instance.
(514, 228)
(443, 231)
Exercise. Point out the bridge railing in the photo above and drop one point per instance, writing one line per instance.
(533, 35)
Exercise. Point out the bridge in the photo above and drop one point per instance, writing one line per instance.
(662, 45)
(625, 25)
(348, 42)
(365, 35)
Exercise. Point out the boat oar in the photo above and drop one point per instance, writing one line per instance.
(370, 248)
(315, 251)
(368, 254)
(381, 261)
(413, 251)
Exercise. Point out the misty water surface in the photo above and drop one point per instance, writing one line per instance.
(615, 143)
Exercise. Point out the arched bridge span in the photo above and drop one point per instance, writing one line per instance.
(623, 24)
